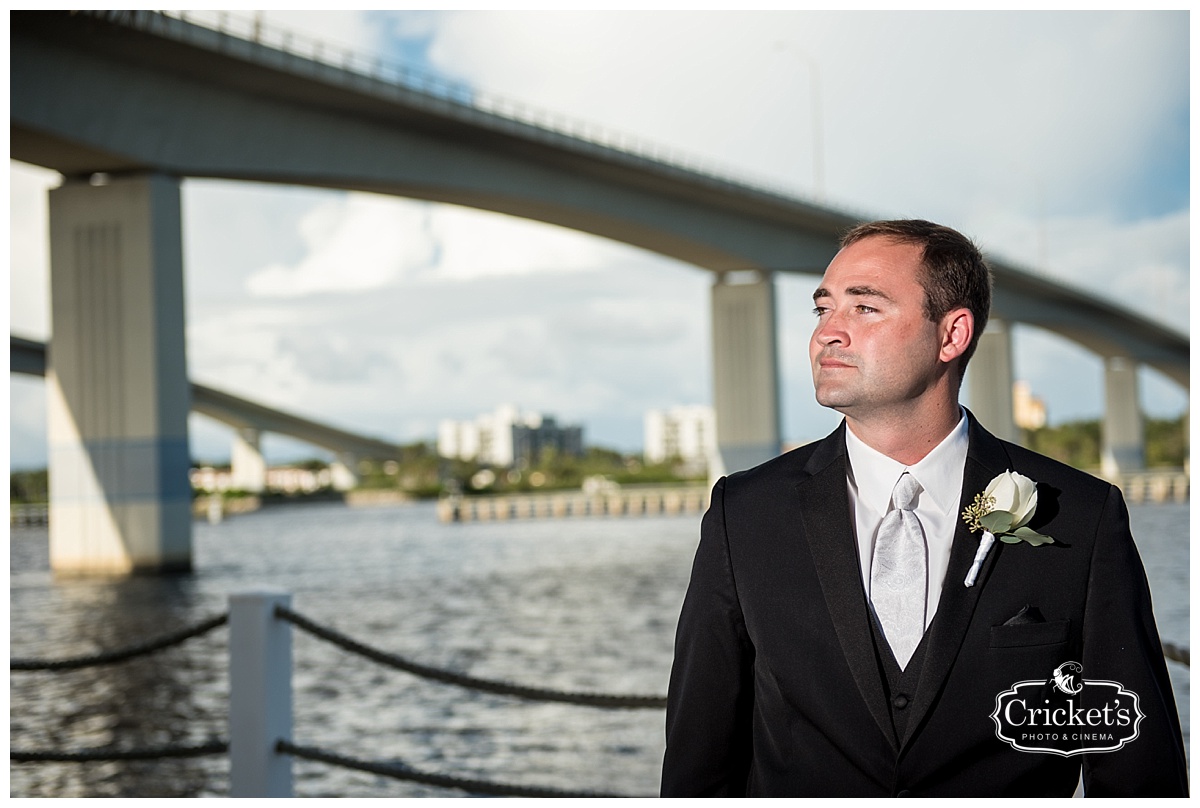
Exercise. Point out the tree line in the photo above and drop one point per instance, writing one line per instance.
(420, 472)
(1077, 443)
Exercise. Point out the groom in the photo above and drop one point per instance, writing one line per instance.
(829, 643)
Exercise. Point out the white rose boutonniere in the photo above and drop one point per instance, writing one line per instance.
(1003, 511)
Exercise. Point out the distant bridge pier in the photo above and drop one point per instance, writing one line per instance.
(1123, 444)
(344, 470)
(990, 381)
(745, 370)
(117, 387)
(248, 467)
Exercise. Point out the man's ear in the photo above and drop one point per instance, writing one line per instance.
(957, 329)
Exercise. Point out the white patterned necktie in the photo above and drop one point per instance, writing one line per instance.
(899, 572)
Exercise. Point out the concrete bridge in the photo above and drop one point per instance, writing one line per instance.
(125, 104)
(249, 421)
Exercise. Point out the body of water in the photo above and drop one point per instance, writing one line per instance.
(585, 604)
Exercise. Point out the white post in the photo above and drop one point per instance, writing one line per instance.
(260, 694)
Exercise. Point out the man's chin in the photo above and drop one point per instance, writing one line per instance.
(835, 400)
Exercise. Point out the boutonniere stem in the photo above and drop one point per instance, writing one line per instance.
(1003, 511)
(985, 544)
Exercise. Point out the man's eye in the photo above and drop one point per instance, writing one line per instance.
(865, 309)
(819, 310)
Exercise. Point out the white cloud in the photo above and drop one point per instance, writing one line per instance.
(355, 243)
(474, 244)
(413, 24)
(915, 107)
(302, 31)
(1136, 265)
(1036, 133)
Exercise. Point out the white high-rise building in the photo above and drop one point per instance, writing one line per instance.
(1029, 411)
(686, 432)
(503, 437)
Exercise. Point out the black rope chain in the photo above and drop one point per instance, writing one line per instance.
(1171, 651)
(387, 769)
(146, 753)
(120, 655)
(401, 771)
(1177, 653)
(449, 677)
(390, 769)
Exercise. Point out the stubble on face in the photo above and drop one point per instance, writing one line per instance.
(872, 348)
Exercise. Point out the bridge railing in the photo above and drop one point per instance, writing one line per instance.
(463, 98)
(459, 93)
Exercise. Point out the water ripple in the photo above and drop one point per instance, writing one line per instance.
(581, 604)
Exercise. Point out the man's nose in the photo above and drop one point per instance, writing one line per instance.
(831, 329)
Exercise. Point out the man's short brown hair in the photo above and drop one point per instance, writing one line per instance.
(955, 275)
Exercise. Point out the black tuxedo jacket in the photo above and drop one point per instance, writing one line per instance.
(777, 688)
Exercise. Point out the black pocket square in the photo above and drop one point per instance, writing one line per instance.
(1029, 614)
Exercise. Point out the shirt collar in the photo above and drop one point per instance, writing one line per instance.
(939, 473)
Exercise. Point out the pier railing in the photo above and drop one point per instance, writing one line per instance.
(632, 501)
(1155, 485)
(260, 743)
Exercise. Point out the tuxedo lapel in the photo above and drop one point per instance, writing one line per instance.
(986, 458)
(825, 511)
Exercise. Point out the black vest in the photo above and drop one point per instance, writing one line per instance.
(899, 685)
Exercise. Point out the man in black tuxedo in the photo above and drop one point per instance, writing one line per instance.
(829, 643)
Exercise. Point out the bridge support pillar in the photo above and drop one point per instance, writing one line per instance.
(344, 470)
(248, 469)
(1123, 447)
(990, 381)
(117, 386)
(745, 371)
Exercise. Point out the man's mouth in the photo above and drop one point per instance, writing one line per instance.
(831, 363)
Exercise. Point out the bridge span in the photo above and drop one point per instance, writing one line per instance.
(125, 104)
(249, 420)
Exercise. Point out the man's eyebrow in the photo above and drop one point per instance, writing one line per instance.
(858, 291)
(867, 291)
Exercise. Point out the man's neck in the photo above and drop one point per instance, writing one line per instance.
(907, 437)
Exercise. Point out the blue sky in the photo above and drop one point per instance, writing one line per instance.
(1059, 141)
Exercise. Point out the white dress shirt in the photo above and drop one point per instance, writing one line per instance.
(871, 477)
